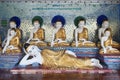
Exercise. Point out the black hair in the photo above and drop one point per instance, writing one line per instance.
(26, 45)
(13, 29)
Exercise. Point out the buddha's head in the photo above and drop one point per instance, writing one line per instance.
(105, 24)
(102, 21)
(14, 22)
(12, 32)
(58, 21)
(31, 49)
(58, 24)
(36, 24)
(80, 22)
(37, 21)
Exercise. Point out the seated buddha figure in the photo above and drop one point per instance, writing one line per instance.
(14, 22)
(59, 35)
(37, 35)
(81, 34)
(105, 36)
(57, 59)
(12, 45)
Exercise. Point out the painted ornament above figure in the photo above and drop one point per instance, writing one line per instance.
(59, 35)
(81, 33)
(37, 34)
(105, 36)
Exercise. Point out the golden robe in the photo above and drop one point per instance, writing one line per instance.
(83, 35)
(16, 43)
(60, 59)
(19, 33)
(109, 42)
(39, 34)
(61, 34)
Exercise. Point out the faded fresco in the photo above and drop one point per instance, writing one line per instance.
(26, 11)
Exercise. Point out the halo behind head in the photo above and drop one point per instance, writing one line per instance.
(78, 19)
(39, 19)
(58, 18)
(101, 19)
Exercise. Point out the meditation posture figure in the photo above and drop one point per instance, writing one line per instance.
(56, 59)
(37, 35)
(14, 22)
(81, 34)
(12, 45)
(105, 36)
(59, 36)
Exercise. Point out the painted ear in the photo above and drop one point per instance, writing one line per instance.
(15, 25)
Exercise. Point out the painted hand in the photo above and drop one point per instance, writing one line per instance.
(96, 63)
(76, 43)
(52, 43)
(11, 47)
(3, 51)
(104, 50)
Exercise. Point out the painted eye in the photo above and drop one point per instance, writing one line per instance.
(30, 51)
(32, 48)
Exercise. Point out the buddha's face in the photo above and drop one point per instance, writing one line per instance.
(81, 24)
(105, 24)
(36, 24)
(12, 24)
(33, 50)
(58, 24)
(12, 33)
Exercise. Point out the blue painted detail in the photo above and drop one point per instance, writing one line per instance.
(113, 66)
(80, 52)
(35, 64)
(113, 62)
(21, 66)
(9, 61)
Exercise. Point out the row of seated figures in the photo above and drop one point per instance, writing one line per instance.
(12, 43)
